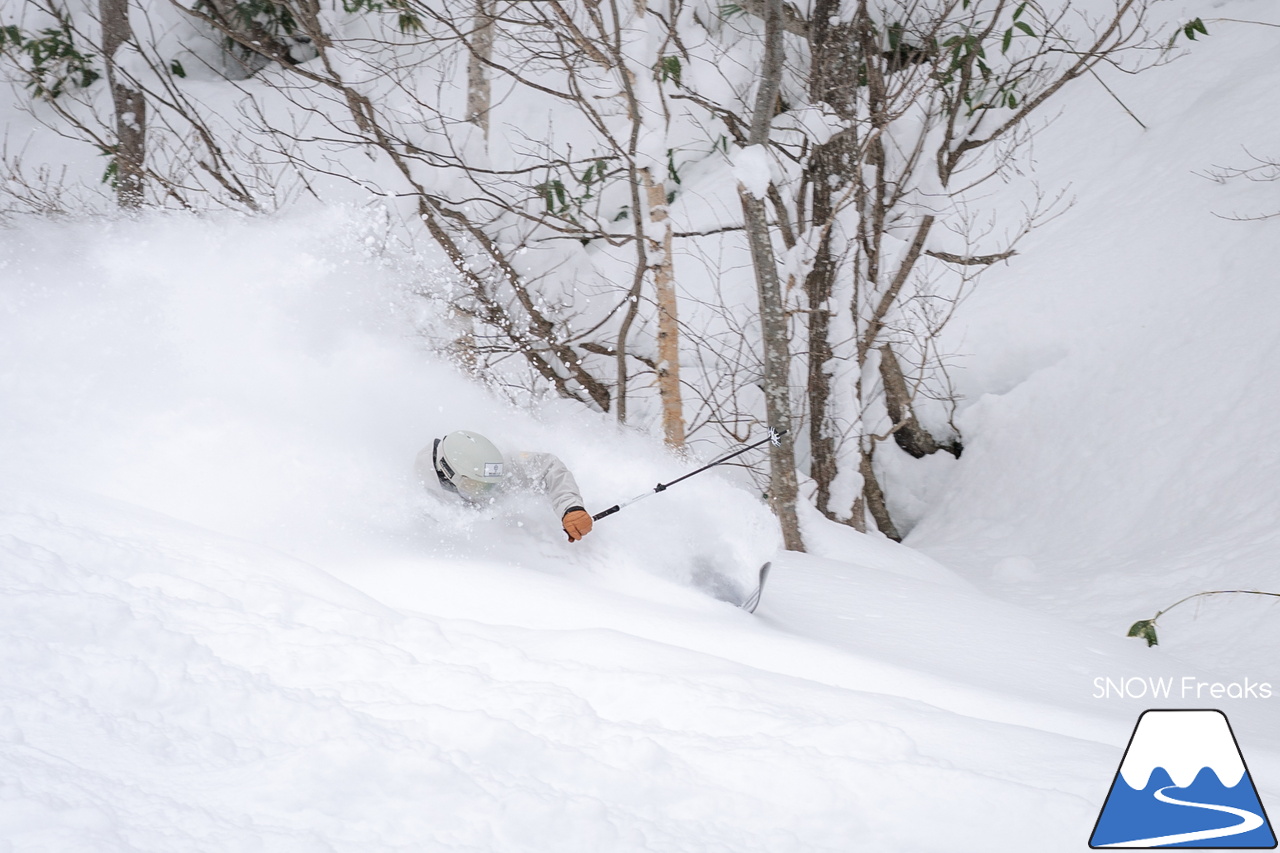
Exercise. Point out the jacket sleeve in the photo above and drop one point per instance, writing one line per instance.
(546, 473)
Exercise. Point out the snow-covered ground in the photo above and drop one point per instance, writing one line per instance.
(233, 621)
(1124, 429)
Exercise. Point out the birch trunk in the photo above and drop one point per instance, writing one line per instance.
(478, 95)
(661, 264)
(478, 104)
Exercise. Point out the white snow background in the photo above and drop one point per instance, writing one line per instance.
(232, 621)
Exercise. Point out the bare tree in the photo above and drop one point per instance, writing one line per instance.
(164, 145)
(589, 51)
(775, 335)
(383, 115)
(1263, 169)
(884, 123)
(129, 152)
(479, 95)
(661, 266)
(927, 101)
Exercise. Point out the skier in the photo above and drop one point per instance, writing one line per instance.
(470, 466)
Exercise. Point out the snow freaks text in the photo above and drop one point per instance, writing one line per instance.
(1186, 687)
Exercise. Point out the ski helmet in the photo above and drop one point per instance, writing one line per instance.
(468, 463)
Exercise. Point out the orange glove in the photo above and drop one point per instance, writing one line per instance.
(577, 523)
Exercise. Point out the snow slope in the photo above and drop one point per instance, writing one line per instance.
(171, 689)
(1122, 436)
(232, 621)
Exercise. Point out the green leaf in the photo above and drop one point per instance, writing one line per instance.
(594, 174)
(55, 61)
(1018, 14)
(1008, 40)
(1022, 25)
(176, 69)
(896, 30)
(554, 195)
(668, 68)
(1192, 27)
(1145, 629)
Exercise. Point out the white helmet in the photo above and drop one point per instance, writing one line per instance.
(468, 463)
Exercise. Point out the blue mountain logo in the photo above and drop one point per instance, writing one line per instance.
(1183, 783)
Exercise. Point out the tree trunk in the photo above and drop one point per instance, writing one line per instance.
(819, 286)
(907, 431)
(635, 179)
(783, 486)
(129, 156)
(478, 97)
(833, 52)
(660, 262)
(478, 103)
(872, 496)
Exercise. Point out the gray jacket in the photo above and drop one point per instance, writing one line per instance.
(526, 470)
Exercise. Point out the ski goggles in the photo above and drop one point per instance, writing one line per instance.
(472, 490)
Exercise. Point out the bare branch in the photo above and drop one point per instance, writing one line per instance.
(971, 260)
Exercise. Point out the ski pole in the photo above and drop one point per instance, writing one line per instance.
(773, 438)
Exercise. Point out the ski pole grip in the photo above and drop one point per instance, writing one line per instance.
(610, 511)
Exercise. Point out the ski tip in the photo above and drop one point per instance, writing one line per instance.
(753, 602)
